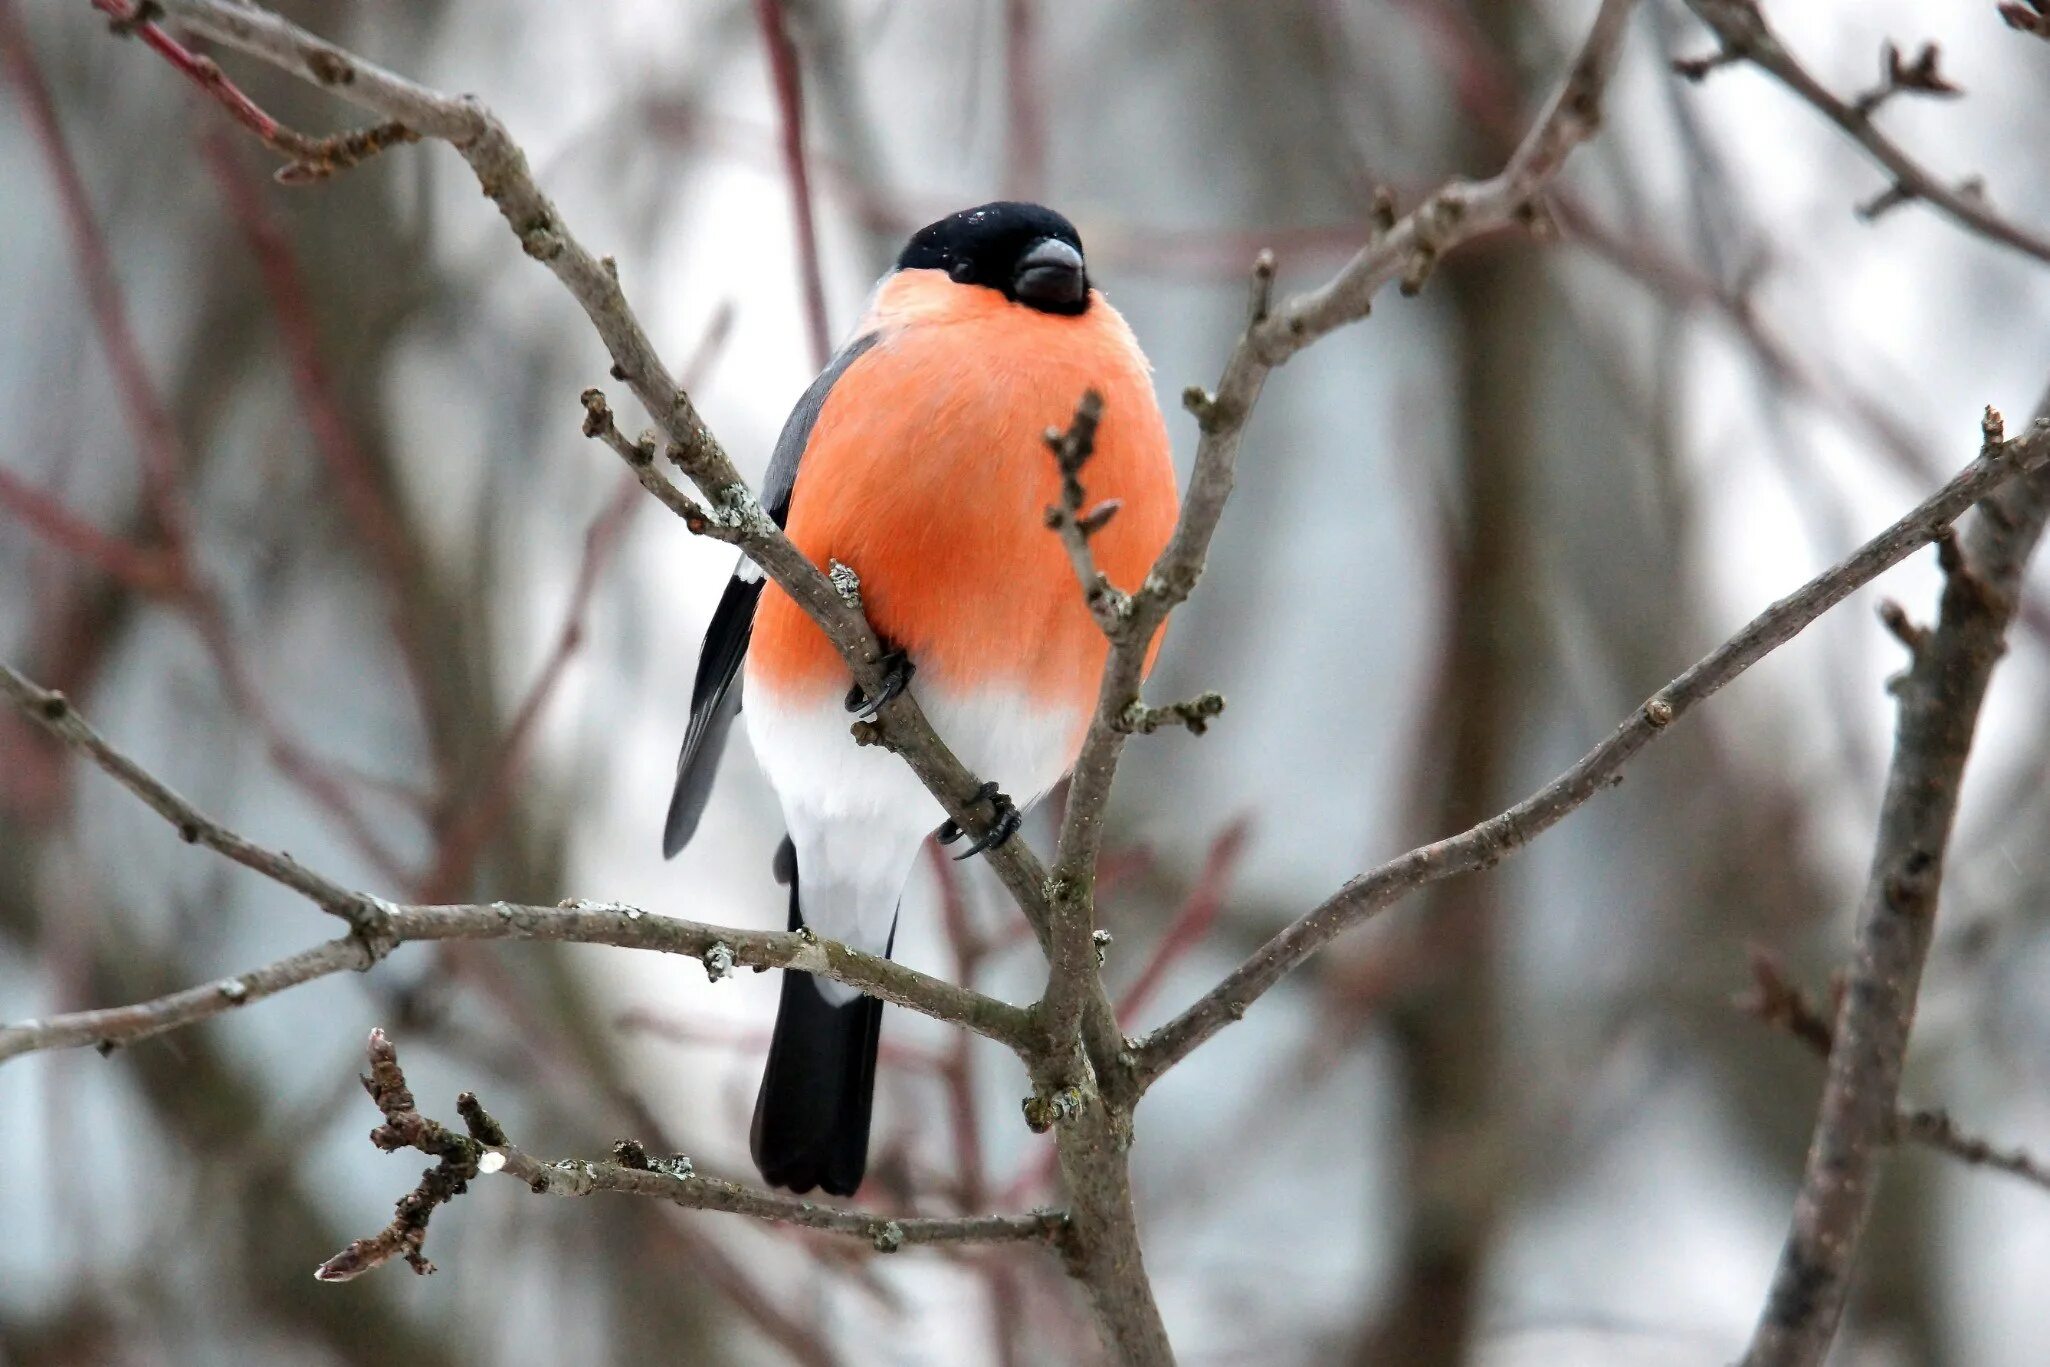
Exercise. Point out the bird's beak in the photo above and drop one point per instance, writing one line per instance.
(1050, 275)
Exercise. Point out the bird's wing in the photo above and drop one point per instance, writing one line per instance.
(715, 697)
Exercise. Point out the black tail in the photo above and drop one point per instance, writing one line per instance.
(811, 1117)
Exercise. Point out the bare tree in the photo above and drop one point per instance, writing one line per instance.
(1087, 1076)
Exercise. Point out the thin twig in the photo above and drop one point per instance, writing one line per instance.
(1781, 1004)
(720, 948)
(1740, 27)
(1487, 843)
(307, 159)
(144, 569)
(1448, 217)
(161, 455)
(54, 714)
(382, 925)
(1075, 522)
(485, 1149)
(478, 815)
(788, 80)
(2031, 17)
(1111, 1270)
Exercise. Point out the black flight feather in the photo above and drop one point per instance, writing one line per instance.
(715, 696)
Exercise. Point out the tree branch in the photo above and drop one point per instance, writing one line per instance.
(1406, 251)
(720, 948)
(1784, 1006)
(307, 159)
(1740, 28)
(53, 713)
(1096, 1118)
(1939, 699)
(1487, 843)
(485, 1150)
(380, 926)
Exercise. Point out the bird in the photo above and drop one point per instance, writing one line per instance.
(918, 460)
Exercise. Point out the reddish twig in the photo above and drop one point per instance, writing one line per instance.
(156, 437)
(365, 500)
(478, 816)
(956, 1072)
(1198, 913)
(788, 80)
(161, 450)
(2032, 17)
(307, 159)
(146, 570)
(1025, 100)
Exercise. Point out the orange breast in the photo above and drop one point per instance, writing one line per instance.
(928, 474)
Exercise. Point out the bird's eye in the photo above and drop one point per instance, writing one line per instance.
(961, 270)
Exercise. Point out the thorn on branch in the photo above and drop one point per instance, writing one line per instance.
(1885, 202)
(1898, 76)
(1904, 630)
(1196, 714)
(1697, 69)
(1777, 1002)
(1262, 300)
(1384, 211)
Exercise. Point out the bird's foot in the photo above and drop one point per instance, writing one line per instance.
(1003, 825)
(897, 671)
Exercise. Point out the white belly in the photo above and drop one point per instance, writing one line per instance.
(857, 815)
(804, 747)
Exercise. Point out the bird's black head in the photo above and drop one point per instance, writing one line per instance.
(1025, 252)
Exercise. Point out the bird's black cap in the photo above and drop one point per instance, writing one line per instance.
(1026, 252)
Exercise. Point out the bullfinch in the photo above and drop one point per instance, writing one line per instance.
(918, 460)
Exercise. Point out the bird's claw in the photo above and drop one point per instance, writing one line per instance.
(897, 671)
(1002, 826)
